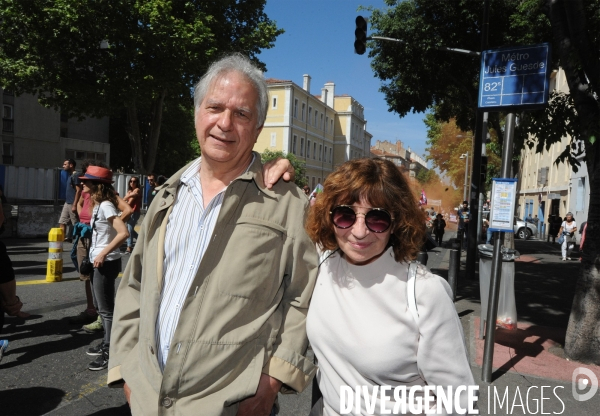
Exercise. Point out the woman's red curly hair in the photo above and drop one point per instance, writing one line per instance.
(380, 183)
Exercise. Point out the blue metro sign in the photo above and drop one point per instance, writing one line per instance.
(514, 77)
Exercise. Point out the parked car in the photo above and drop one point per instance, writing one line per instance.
(523, 229)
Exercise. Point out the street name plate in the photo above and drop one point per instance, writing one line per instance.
(515, 77)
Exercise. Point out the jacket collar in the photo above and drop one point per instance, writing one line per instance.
(254, 173)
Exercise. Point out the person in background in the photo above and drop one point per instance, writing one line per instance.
(108, 233)
(464, 216)
(306, 190)
(10, 303)
(438, 228)
(133, 197)
(92, 322)
(529, 219)
(368, 228)
(486, 228)
(72, 194)
(152, 189)
(567, 228)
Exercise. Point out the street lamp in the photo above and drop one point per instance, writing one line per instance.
(465, 156)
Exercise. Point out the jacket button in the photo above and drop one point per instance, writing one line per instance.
(167, 402)
(163, 203)
(151, 350)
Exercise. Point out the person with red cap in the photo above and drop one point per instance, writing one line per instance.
(108, 233)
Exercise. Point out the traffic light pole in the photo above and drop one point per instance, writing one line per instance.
(476, 173)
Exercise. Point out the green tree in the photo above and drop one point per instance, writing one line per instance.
(299, 165)
(99, 58)
(417, 76)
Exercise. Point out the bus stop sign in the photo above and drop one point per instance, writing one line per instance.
(514, 78)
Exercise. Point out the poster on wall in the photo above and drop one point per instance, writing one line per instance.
(504, 197)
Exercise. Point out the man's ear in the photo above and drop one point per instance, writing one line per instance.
(258, 132)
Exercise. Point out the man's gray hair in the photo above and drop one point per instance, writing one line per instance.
(235, 63)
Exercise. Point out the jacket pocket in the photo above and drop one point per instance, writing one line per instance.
(247, 382)
(252, 269)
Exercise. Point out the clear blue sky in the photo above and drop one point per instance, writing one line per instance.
(318, 40)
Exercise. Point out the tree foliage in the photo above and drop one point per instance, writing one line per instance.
(299, 165)
(417, 76)
(445, 145)
(98, 58)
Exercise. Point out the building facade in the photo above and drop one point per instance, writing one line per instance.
(37, 137)
(546, 188)
(405, 159)
(322, 130)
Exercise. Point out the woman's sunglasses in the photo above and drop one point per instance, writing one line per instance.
(377, 220)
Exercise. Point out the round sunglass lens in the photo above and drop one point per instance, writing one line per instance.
(378, 221)
(343, 217)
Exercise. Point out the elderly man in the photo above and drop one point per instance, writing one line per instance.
(210, 314)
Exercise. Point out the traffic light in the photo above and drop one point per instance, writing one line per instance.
(360, 36)
(483, 172)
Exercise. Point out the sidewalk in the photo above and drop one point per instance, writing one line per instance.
(528, 363)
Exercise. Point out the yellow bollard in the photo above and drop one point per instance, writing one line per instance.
(55, 263)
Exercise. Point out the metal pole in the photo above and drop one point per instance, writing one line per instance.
(492, 313)
(466, 177)
(453, 270)
(476, 177)
(484, 134)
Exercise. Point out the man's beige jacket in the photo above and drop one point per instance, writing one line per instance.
(245, 313)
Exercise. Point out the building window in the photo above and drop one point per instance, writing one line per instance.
(316, 118)
(296, 108)
(326, 123)
(325, 153)
(314, 150)
(294, 140)
(580, 201)
(321, 127)
(273, 139)
(64, 126)
(320, 151)
(303, 111)
(7, 153)
(331, 126)
(318, 180)
(274, 102)
(8, 92)
(8, 124)
(307, 149)
(330, 155)
(309, 115)
(313, 182)
(301, 146)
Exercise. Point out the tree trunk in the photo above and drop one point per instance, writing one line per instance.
(582, 341)
(144, 141)
(583, 332)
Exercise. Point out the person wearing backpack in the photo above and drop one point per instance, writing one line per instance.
(377, 319)
(108, 233)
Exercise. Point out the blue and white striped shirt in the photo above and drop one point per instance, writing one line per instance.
(188, 233)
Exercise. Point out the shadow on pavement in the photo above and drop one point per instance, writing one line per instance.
(30, 401)
(49, 328)
(121, 410)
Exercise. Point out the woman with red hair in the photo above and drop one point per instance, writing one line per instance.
(369, 227)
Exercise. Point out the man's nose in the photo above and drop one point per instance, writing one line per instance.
(225, 122)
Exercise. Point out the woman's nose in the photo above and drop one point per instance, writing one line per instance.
(359, 228)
